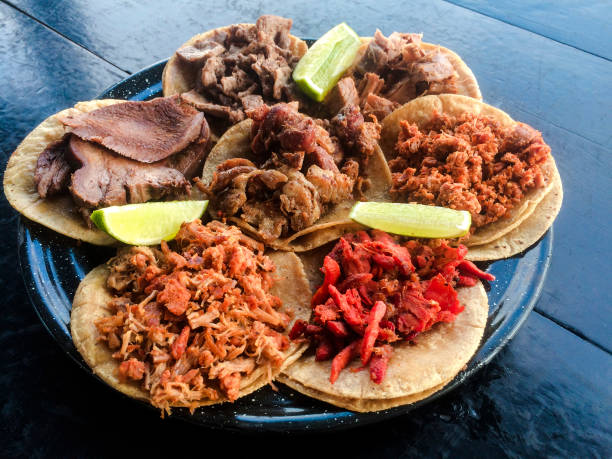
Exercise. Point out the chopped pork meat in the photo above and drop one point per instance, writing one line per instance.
(188, 323)
(468, 163)
(300, 169)
(241, 68)
(394, 70)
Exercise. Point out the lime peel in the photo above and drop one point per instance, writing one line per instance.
(326, 61)
(147, 223)
(413, 220)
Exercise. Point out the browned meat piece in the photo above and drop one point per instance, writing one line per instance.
(300, 202)
(223, 177)
(218, 111)
(370, 84)
(432, 67)
(399, 69)
(251, 101)
(272, 179)
(404, 90)
(378, 106)
(375, 58)
(281, 127)
(200, 51)
(233, 198)
(341, 95)
(322, 159)
(237, 82)
(52, 172)
(333, 187)
(106, 179)
(241, 68)
(358, 136)
(274, 29)
(143, 131)
(266, 217)
(521, 136)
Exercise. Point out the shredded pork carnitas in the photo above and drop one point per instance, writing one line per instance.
(377, 291)
(188, 324)
(468, 163)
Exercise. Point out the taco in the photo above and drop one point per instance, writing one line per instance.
(454, 151)
(391, 71)
(393, 321)
(231, 69)
(201, 320)
(291, 181)
(103, 153)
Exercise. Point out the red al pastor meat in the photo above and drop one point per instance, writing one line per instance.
(378, 291)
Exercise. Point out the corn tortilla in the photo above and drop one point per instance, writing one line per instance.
(90, 303)
(421, 110)
(236, 143)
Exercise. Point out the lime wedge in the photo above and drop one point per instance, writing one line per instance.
(148, 223)
(415, 220)
(325, 62)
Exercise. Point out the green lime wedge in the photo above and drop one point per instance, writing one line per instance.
(415, 220)
(148, 223)
(325, 62)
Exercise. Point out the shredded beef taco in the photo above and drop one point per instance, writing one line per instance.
(202, 320)
(393, 320)
(457, 152)
(229, 70)
(391, 71)
(103, 153)
(290, 180)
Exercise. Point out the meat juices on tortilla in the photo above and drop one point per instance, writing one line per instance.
(54, 175)
(228, 70)
(390, 71)
(91, 304)
(235, 147)
(415, 370)
(420, 112)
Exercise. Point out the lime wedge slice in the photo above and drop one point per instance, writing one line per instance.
(325, 62)
(415, 220)
(148, 223)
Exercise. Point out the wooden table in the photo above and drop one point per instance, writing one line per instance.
(548, 392)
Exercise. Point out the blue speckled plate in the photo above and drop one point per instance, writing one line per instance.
(53, 265)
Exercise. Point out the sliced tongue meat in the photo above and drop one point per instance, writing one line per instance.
(107, 179)
(143, 131)
(52, 171)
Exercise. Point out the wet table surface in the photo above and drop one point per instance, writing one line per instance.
(548, 393)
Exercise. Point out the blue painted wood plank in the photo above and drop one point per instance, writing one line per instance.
(42, 73)
(583, 25)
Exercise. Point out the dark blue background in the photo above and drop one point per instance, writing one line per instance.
(545, 63)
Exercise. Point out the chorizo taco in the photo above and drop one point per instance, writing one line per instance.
(290, 180)
(393, 321)
(231, 69)
(201, 320)
(103, 153)
(454, 151)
